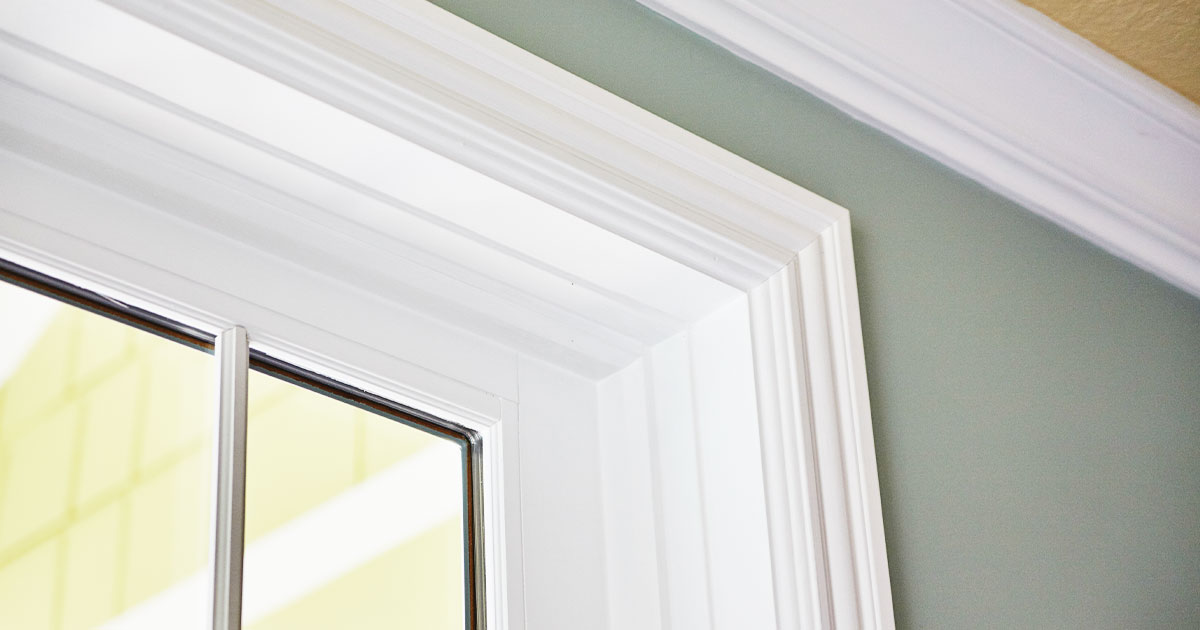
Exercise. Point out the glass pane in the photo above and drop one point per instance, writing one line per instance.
(105, 453)
(353, 519)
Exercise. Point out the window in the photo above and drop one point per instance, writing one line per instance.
(656, 342)
(358, 512)
(105, 463)
(354, 510)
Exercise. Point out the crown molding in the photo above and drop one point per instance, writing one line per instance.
(1001, 94)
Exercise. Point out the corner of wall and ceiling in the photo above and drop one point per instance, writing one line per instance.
(1021, 104)
(1158, 37)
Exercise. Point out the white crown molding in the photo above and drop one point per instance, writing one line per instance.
(114, 177)
(1002, 94)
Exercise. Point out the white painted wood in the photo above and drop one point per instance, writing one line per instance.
(763, 478)
(631, 536)
(358, 189)
(682, 530)
(813, 411)
(640, 396)
(423, 74)
(738, 547)
(505, 568)
(832, 288)
(1002, 94)
(233, 282)
(789, 457)
(562, 515)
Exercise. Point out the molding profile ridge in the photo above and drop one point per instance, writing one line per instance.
(1090, 62)
(1023, 106)
(704, 208)
(824, 517)
(789, 457)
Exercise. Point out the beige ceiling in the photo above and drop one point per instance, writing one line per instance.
(1159, 37)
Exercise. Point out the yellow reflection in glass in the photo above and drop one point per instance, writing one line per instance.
(353, 519)
(105, 456)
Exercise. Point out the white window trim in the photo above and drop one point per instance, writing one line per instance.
(792, 339)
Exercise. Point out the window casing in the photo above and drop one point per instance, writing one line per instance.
(685, 297)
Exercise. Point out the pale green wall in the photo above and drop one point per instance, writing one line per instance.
(1036, 401)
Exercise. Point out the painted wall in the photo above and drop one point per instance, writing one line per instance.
(1036, 401)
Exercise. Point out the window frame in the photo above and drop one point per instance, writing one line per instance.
(233, 359)
(792, 334)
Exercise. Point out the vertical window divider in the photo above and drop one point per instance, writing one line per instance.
(229, 486)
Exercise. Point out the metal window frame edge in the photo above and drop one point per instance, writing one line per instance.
(229, 482)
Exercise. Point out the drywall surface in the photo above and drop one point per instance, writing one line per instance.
(1036, 401)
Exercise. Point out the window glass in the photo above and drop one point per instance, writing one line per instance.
(105, 459)
(353, 519)
(355, 512)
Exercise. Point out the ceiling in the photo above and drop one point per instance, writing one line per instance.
(1159, 37)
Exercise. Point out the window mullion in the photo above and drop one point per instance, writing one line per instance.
(229, 494)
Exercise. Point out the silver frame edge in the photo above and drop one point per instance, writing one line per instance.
(229, 479)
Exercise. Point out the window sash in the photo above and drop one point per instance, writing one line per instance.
(234, 359)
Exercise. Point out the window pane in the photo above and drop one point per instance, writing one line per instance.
(353, 519)
(105, 453)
